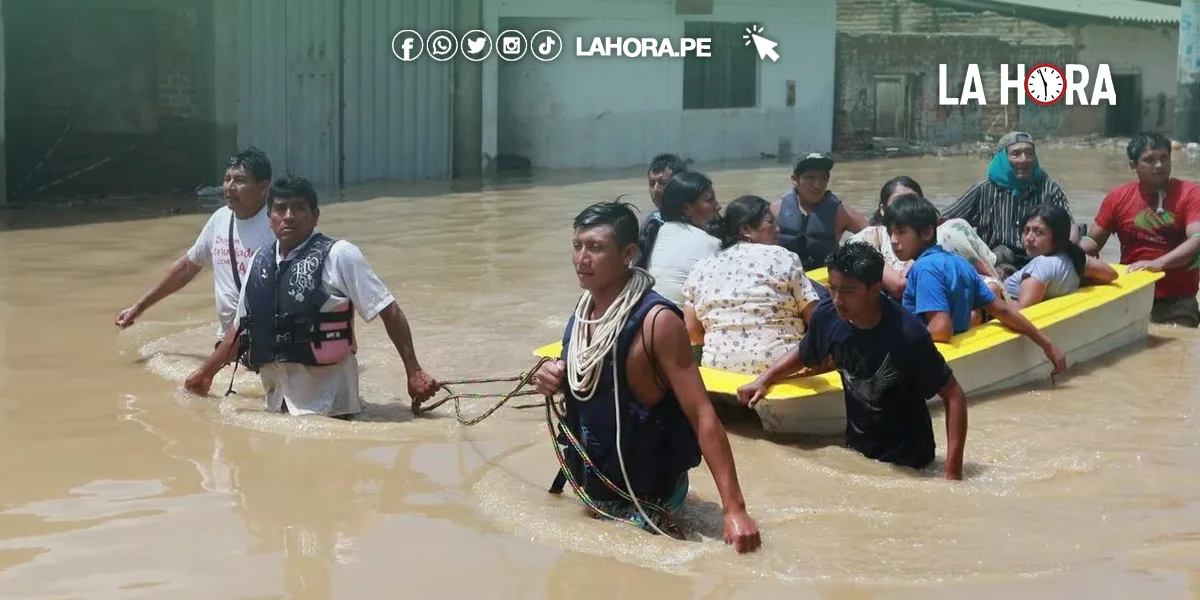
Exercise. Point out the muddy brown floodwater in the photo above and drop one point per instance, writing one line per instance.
(118, 485)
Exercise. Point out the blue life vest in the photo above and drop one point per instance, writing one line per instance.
(289, 315)
(811, 236)
(659, 445)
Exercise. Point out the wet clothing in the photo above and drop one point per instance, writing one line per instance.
(223, 236)
(939, 281)
(658, 444)
(810, 234)
(888, 373)
(1148, 233)
(1176, 310)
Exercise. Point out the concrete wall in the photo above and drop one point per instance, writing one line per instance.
(580, 112)
(903, 36)
(117, 85)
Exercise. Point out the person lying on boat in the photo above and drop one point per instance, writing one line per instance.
(637, 424)
(888, 364)
(670, 248)
(1057, 265)
(749, 303)
(811, 218)
(1157, 222)
(942, 288)
(1015, 185)
(954, 235)
(296, 315)
(660, 171)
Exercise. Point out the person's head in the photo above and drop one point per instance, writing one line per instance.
(856, 281)
(1046, 231)
(749, 219)
(688, 198)
(894, 188)
(247, 178)
(604, 245)
(662, 168)
(1150, 157)
(810, 176)
(293, 210)
(1022, 154)
(911, 223)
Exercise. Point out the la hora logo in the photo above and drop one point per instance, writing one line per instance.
(1045, 84)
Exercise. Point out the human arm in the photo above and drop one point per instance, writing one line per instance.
(1096, 271)
(350, 273)
(1182, 256)
(1102, 226)
(1014, 320)
(179, 274)
(695, 328)
(200, 381)
(850, 220)
(812, 351)
(930, 293)
(672, 352)
(955, 401)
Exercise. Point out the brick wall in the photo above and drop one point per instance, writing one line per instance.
(861, 57)
(47, 90)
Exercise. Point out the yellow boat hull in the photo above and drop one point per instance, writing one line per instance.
(1086, 324)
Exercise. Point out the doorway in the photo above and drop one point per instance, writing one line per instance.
(1124, 119)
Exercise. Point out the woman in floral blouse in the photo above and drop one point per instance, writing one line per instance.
(748, 304)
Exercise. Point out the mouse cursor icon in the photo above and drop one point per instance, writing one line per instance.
(765, 47)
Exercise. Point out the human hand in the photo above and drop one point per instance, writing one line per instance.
(741, 532)
(1154, 266)
(128, 316)
(549, 378)
(752, 392)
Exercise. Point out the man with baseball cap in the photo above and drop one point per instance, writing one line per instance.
(996, 206)
(811, 218)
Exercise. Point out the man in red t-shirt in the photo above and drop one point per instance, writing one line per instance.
(1157, 221)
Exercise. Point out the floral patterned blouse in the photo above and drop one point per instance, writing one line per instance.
(749, 298)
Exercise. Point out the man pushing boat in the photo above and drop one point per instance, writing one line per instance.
(638, 418)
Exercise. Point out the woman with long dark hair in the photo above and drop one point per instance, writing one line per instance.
(748, 304)
(1057, 265)
(669, 249)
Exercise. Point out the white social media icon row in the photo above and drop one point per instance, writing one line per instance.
(476, 45)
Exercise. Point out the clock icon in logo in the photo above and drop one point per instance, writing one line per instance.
(1045, 84)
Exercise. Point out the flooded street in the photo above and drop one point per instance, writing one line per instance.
(117, 484)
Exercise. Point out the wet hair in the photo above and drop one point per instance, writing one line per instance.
(1060, 223)
(1146, 140)
(662, 162)
(291, 186)
(858, 260)
(914, 212)
(888, 189)
(682, 189)
(619, 215)
(746, 210)
(254, 161)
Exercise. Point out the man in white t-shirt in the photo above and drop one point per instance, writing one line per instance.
(238, 229)
(296, 315)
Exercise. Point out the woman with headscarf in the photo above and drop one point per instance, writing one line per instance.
(996, 207)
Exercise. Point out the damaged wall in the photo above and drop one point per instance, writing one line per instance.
(866, 61)
(104, 98)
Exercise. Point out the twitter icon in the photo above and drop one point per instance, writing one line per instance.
(476, 45)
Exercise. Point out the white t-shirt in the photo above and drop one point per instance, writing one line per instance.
(212, 249)
(678, 247)
(329, 390)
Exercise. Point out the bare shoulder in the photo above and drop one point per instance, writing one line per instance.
(666, 331)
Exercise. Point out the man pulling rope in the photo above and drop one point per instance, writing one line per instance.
(637, 418)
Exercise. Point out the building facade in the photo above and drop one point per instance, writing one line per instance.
(889, 51)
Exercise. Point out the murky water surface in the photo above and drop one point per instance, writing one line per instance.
(118, 485)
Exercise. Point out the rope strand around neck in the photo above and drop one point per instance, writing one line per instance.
(586, 354)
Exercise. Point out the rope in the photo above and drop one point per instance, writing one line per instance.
(585, 358)
(586, 355)
(521, 380)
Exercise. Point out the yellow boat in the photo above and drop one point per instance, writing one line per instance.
(1085, 324)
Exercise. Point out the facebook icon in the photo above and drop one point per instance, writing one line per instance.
(408, 45)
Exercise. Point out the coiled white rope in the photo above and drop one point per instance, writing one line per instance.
(586, 354)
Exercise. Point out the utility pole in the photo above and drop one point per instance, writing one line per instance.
(1187, 99)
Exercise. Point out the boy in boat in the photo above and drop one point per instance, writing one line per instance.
(635, 425)
(888, 365)
(944, 289)
(296, 315)
(1157, 221)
